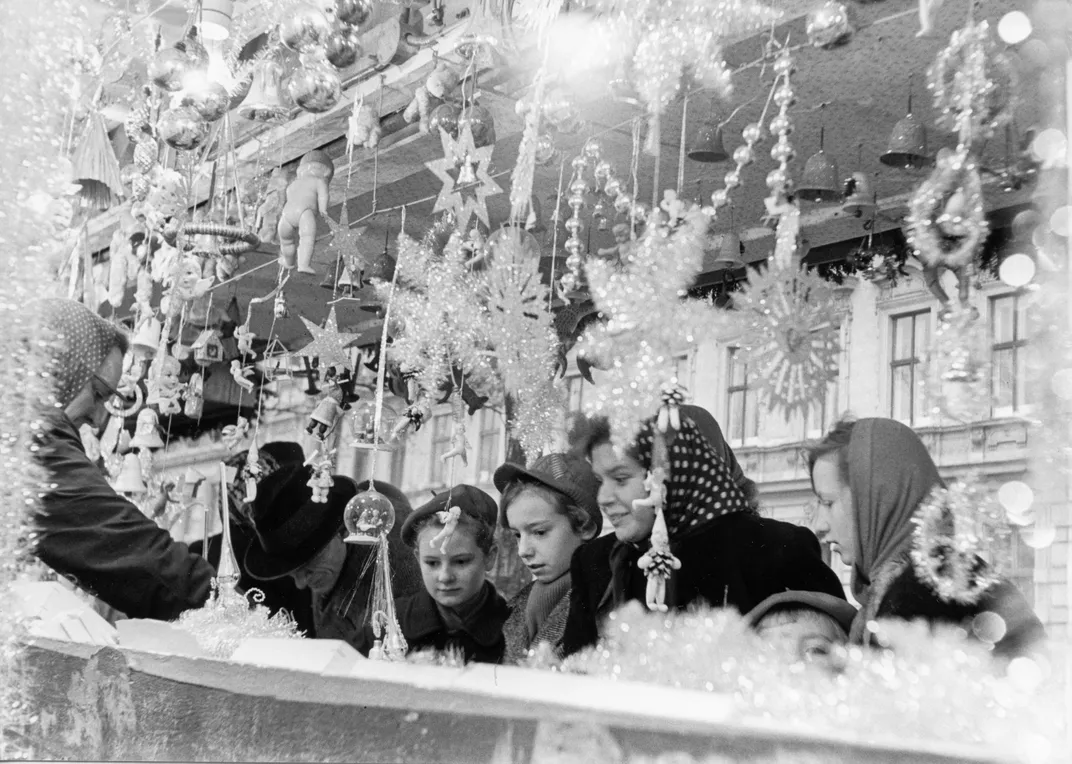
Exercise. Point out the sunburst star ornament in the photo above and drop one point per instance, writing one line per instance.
(329, 344)
(343, 244)
(464, 199)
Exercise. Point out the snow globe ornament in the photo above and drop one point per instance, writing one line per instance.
(368, 517)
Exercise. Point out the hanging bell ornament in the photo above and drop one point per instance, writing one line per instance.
(147, 339)
(907, 147)
(353, 12)
(708, 147)
(264, 103)
(168, 69)
(467, 175)
(344, 47)
(314, 87)
(208, 98)
(368, 517)
(859, 199)
(130, 480)
(819, 182)
(829, 25)
(182, 128)
(444, 117)
(304, 28)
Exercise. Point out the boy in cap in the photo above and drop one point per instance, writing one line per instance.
(459, 610)
(808, 625)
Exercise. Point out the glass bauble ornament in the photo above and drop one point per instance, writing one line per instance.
(752, 132)
(444, 117)
(209, 99)
(781, 125)
(343, 48)
(182, 128)
(743, 155)
(354, 12)
(314, 87)
(545, 151)
(304, 28)
(168, 69)
(368, 516)
(829, 25)
(480, 123)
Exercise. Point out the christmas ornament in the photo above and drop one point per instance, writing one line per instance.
(829, 25)
(304, 28)
(464, 200)
(362, 129)
(95, 166)
(182, 128)
(329, 344)
(264, 102)
(208, 98)
(368, 517)
(444, 117)
(168, 69)
(353, 12)
(314, 87)
(306, 199)
(343, 246)
(958, 370)
(343, 48)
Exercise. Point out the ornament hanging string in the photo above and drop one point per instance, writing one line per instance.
(554, 234)
(681, 146)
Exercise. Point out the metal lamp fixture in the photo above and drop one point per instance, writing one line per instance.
(819, 182)
(907, 148)
(216, 19)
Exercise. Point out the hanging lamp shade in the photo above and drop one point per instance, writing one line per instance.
(216, 19)
(707, 146)
(819, 181)
(907, 148)
(129, 480)
(859, 198)
(729, 253)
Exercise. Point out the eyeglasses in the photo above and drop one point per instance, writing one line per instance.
(102, 390)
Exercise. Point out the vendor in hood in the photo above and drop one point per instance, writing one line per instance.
(299, 538)
(82, 528)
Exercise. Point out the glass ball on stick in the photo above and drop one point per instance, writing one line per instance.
(369, 516)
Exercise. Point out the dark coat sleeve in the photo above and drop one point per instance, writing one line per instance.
(589, 577)
(805, 569)
(104, 544)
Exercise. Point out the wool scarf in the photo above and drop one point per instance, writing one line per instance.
(543, 597)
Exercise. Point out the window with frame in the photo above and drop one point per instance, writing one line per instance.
(490, 456)
(910, 335)
(1008, 353)
(442, 429)
(822, 412)
(742, 405)
(575, 390)
(683, 370)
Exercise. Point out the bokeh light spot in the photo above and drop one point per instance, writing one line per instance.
(1050, 145)
(1038, 537)
(1017, 270)
(1014, 27)
(1061, 384)
(989, 627)
(1061, 220)
(1016, 497)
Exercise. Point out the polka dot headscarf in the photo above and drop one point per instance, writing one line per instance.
(80, 342)
(699, 486)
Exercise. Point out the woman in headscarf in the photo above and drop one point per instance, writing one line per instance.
(84, 530)
(728, 556)
(871, 476)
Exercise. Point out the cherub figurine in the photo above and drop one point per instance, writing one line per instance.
(623, 245)
(657, 564)
(266, 222)
(233, 434)
(241, 375)
(320, 481)
(459, 445)
(307, 197)
(363, 128)
(244, 339)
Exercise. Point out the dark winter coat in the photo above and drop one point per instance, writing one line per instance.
(279, 594)
(737, 560)
(104, 544)
(424, 629)
(343, 613)
(551, 630)
(908, 598)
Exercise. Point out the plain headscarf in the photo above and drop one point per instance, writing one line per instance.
(890, 473)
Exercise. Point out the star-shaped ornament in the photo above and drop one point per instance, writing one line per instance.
(344, 240)
(329, 344)
(464, 199)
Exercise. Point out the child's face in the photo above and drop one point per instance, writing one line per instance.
(455, 574)
(621, 482)
(545, 539)
(810, 635)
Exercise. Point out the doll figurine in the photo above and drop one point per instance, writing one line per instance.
(623, 245)
(657, 564)
(165, 390)
(307, 197)
(266, 222)
(363, 128)
(241, 375)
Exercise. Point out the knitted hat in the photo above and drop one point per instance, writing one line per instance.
(469, 499)
(835, 607)
(80, 342)
(569, 474)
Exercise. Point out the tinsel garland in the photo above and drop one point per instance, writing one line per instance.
(946, 216)
(955, 526)
(521, 330)
(228, 619)
(791, 336)
(647, 319)
(924, 688)
(675, 38)
(43, 51)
